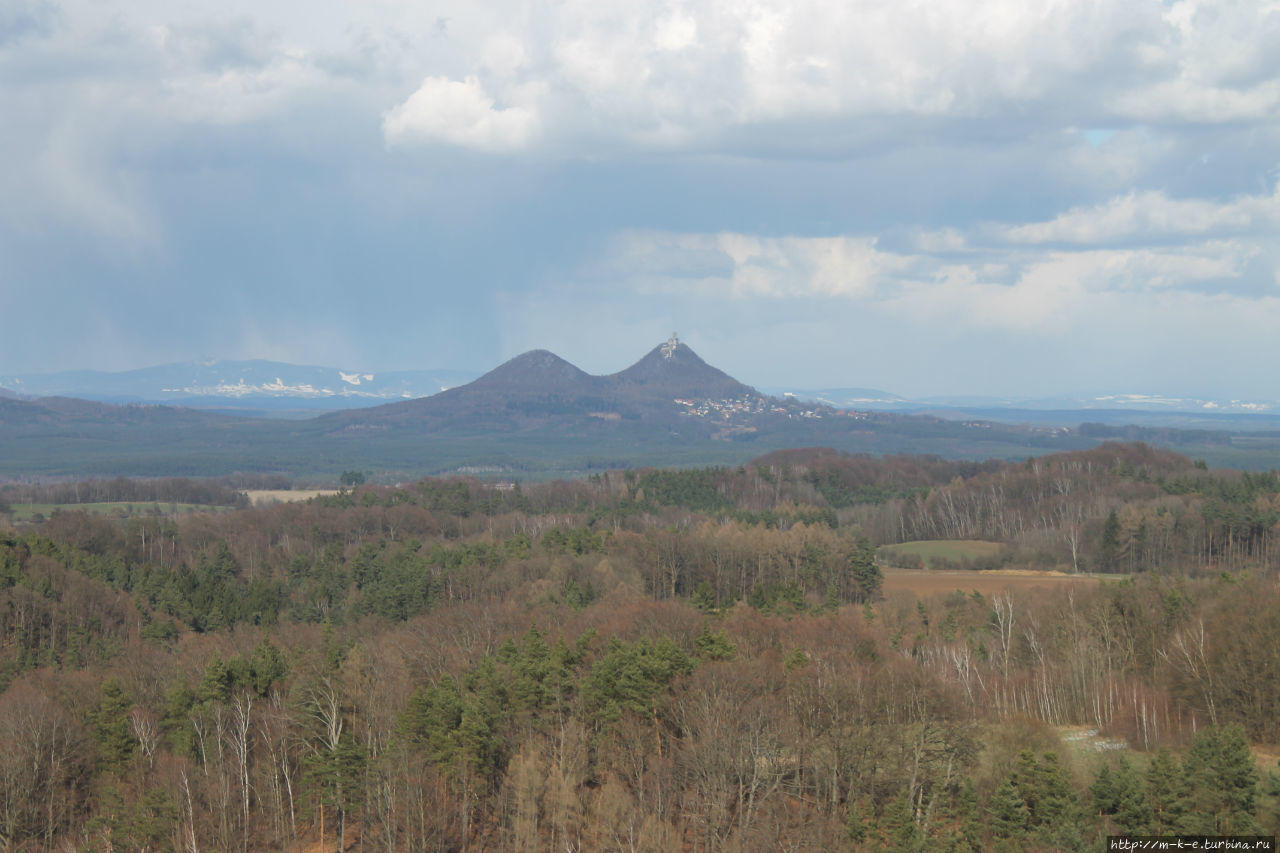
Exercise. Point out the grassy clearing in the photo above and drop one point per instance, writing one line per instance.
(956, 550)
(121, 509)
(924, 583)
(263, 497)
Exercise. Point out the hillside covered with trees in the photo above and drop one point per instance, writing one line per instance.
(708, 659)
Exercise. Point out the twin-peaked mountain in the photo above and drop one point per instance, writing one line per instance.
(540, 388)
(537, 414)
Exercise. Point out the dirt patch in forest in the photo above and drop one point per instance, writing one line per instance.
(925, 583)
(264, 497)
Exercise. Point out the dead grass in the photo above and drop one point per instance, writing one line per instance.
(264, 497)
(925, 582)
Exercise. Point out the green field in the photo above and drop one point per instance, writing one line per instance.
(120, 509)
(935, 552)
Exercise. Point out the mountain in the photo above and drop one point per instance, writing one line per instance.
(243, 385)
(674, 370)
(539, 389)
(539, 415)
(538, 372)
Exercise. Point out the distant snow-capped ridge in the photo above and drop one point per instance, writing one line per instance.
(203, 383)
(874, 399)
(1146, 401)
(280, 388)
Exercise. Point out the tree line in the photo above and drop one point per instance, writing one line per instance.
(642, 660)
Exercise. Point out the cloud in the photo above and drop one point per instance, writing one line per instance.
(1044, 323)
(748, 266)
(20, 19)
(592, 77)
(1212, 63)
(461, 113)
(952, 276)
(658, 74)
(1150, 215)
(1055, 291)
(1009, 171)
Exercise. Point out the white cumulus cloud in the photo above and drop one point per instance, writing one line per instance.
(460, 113)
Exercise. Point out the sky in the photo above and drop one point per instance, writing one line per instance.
(1021, 197)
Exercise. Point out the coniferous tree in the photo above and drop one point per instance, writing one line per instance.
(111, 732)
(704, 597)
(1007, 813)
(1105, 792)
(857, 827)
(1110, 542)
(432, 718)
(217, 682)
(1057, 817)
(1222, 782)
(267, 666)
(1132, 812)
(336, 773)
(902, 832)
(970, 831)
(175, 721)
(1271, 787)
(1166, 793)
(714, 646)
(864, 575)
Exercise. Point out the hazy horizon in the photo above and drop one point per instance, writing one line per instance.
(463, 375)
(1019, 199)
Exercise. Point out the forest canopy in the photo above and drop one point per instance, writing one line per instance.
(719, 658)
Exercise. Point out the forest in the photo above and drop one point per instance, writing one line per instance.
(715, 659)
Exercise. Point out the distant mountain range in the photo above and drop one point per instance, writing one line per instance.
(238, 385)
(884, 401)
(538, 415)
(537, 412)
(270, 388)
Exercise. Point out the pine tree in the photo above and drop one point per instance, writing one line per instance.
(704, 597)
(1132, 812)
(111, 732)
(1008, 812)
(865, 576)
(1057, 817)
(217, 681)
(432, 718)
(1110, 542)
(714, 646)
(267, 666)
(531, 662)
(153, 819)
(1166, 794)
(970, 818)
(856, 827)
(904, 835)
(1222, 783)
(1104, 792)
(337, 773)
(176, 719)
